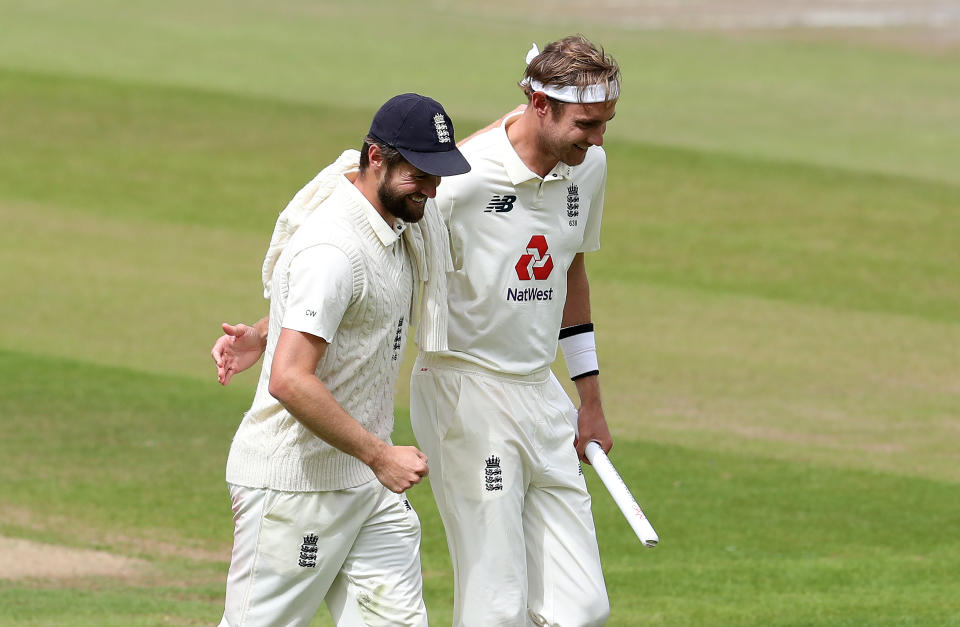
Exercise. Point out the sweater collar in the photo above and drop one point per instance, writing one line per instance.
(387, 235)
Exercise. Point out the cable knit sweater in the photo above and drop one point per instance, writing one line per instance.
(272, 449)
(427, 242)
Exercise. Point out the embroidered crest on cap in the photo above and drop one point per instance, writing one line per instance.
(443, 133)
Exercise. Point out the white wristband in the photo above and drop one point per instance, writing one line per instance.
(579, 347)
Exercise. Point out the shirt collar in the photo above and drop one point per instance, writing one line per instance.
(516, 169)
(384, 232)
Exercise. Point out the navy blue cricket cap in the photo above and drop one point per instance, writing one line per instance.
(422, 132)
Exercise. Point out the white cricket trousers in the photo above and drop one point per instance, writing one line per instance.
(511, 493)
(357, 549)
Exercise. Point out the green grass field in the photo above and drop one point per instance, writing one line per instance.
(777, 299)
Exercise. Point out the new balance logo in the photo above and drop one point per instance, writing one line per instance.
(493, 477)
(500, 204)
(308, 551)
(536, 263)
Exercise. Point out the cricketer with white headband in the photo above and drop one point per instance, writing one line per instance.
(570, 93)
(488, 412)
(577, 342)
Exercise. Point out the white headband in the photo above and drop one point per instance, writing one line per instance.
(569, 93)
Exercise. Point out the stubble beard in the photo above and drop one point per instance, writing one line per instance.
(398, 205)
(560, 149)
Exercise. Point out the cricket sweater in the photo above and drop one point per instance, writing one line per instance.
(272, 449)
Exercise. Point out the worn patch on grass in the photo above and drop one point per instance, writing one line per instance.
(23, 559)
(765, 14)
(925, 25)
(24, 518)
(739, 14)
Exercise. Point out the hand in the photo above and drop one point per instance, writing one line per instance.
(399, 468)
(239, 348)
(592, 427)
(518, 109)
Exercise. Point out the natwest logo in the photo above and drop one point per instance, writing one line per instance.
(536, 263)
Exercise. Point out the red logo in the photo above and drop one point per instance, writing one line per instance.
(536, 263)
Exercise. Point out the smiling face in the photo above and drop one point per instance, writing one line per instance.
(403, 191)
(566, 135)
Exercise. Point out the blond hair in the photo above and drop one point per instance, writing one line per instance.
(572, 62)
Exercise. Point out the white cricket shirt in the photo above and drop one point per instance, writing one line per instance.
(513, 236)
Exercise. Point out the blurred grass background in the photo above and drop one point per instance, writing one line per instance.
(777, 297)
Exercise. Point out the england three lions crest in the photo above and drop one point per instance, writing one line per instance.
(492, 475)
(308, 551)
(573, 204)
(440, 124)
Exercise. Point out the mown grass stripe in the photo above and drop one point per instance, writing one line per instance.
(142, 455)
